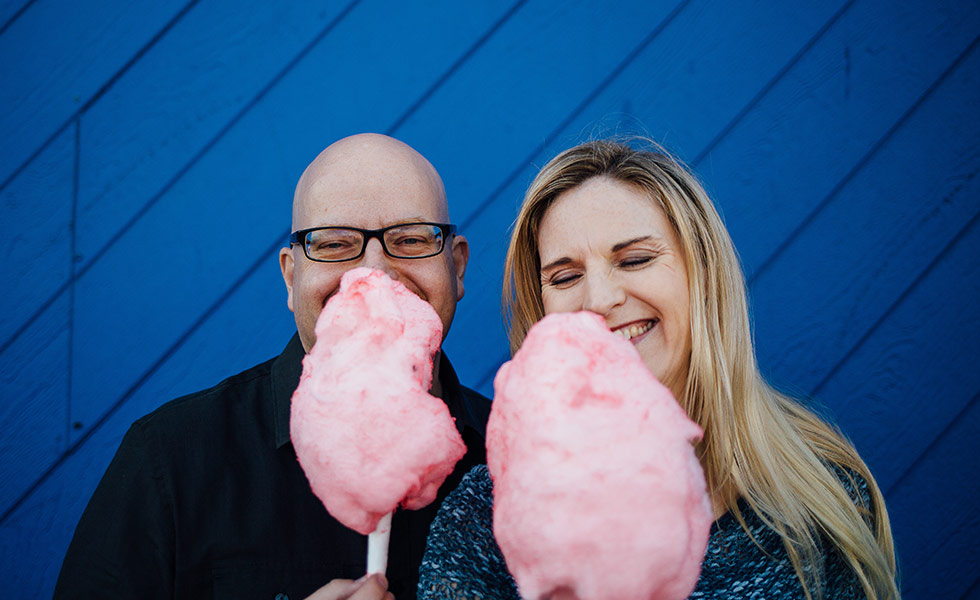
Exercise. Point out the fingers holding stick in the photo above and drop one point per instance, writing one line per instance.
(369, 587)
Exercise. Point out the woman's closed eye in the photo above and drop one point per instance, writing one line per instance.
(635, 261)
(639, 258)
(562, 279)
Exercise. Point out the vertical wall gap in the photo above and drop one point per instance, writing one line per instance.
(72, 261)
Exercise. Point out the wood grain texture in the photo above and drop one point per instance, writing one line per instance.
(910, 384)
(9, 9)
(710, 36)
(177, 99)
(814, 126)
(873, 238)
(839, 139)
(913, 385)
(938, 546)
(236, 189)
(42, 85)
(33, 540)
(36, 241)
(34, 414)
(36, 233)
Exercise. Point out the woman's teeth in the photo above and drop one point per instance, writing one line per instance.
(634, 330)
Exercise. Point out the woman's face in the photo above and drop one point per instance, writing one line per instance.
(606, 247)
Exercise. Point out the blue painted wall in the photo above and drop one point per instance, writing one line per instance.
(840, 138)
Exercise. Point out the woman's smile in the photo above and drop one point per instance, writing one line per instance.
(634, 331)
(608, 248)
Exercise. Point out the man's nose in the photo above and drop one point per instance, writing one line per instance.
(375, 258)
(602, 293)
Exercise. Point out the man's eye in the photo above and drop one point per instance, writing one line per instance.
(411, 241)
(332, 245)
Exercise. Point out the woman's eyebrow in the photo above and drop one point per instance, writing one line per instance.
(556, 263)
(616, 248)
(629, 243)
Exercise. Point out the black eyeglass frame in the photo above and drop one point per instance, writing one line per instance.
(299, 238)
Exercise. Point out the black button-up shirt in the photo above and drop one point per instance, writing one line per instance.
(205, 499)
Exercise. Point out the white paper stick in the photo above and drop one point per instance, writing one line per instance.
(377, 558)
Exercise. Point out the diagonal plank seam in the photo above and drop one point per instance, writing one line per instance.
(727, 129)
(894, 305)
(73, 448)
(574, 113)
(972, 589)
(859, 165)
(16, 16)
(823, 203)
(455, 67)
(173, 180)
(102, 90)
(928, 449)
(271, 250)
(723, 133)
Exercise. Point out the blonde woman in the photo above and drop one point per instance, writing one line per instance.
(632, 236)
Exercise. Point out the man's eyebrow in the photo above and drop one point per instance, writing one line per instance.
(628, 243)
(556, 263)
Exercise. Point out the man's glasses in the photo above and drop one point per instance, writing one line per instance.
(337, 244)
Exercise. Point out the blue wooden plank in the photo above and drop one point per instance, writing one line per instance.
(35, 233)
(935, 513)
(34, 415)
(9, 10)
(281, 128)
(874, 238)
(56, 58)
(34, 369)
(34, 538)
(837, 144)
(663, 91)
(902, 389)
(789, 152)
(917, 368)
(131, 306)
(506, 100)
(179, 96)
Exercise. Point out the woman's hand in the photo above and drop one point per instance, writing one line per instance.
(369, 587)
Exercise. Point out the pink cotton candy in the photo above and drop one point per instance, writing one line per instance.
(367, 433)
(596, 486)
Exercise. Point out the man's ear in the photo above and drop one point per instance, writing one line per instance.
(286, 266)
(461, 255)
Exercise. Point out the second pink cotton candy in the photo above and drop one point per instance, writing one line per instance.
(597, 489)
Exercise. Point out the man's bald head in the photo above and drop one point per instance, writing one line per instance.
(366, 158)
(371, 181)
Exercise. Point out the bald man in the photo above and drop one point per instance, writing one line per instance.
(205, 497)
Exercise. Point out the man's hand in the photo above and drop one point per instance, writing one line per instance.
(369, 587)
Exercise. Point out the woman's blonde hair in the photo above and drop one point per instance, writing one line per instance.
(758, 444)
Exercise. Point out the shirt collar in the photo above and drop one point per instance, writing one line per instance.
(285, 377)
(288, 367)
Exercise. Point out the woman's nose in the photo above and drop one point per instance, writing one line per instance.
(602, 294)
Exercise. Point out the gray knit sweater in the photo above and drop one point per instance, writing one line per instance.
(462, 559)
